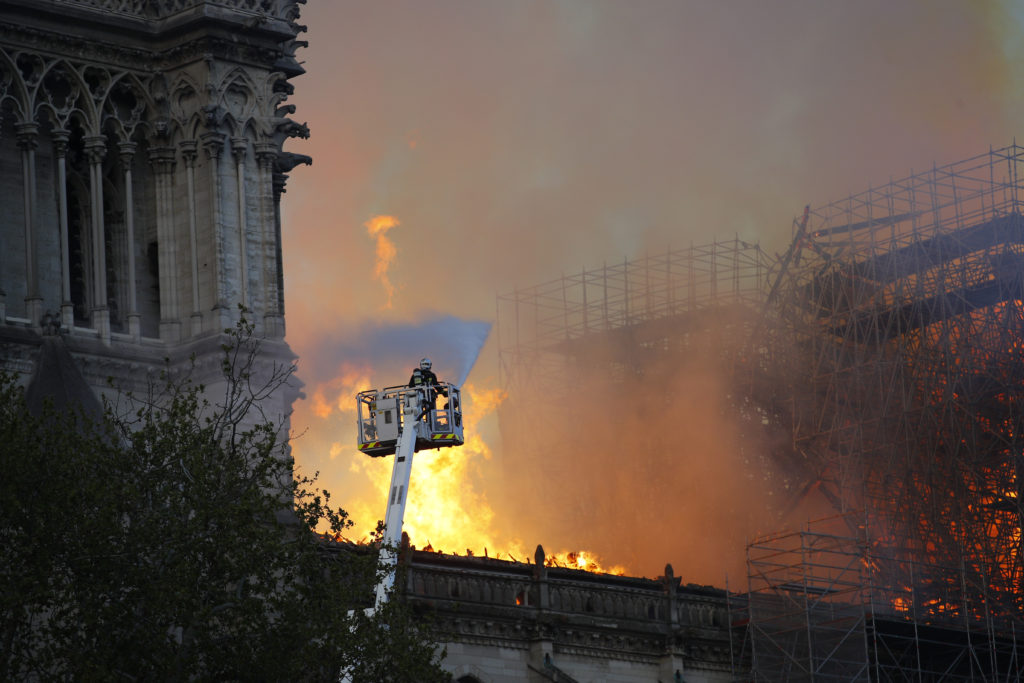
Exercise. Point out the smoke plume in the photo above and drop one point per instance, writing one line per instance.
(645, 459)
(392, 350)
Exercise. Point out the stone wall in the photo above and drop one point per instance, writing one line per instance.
(507, 621)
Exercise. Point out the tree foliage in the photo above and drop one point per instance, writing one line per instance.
(171, 541)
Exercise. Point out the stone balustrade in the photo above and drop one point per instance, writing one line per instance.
(569, 614)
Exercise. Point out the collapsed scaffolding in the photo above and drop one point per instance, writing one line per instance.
(887, 345)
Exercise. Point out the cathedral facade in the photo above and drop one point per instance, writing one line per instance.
(142, 168)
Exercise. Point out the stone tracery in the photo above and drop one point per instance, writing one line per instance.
(160, 200)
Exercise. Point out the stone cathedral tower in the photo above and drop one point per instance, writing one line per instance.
(141, 172)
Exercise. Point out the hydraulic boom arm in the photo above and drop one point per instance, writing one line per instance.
(398, 495)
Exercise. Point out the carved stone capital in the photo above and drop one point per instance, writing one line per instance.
(188, 151)
(213, 144)
(266, 154)
(239, 147)
(126, 150)
(60, 137)
(28, 135)
(162, 159)
(95, 148)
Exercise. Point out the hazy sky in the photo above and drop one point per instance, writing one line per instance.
(517, 140)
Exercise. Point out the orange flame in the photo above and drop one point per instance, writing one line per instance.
(446, 506)
(448, 510)
(377, 228)
(338, 393)
(582, 559)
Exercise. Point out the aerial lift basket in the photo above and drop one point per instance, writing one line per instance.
(380, 418)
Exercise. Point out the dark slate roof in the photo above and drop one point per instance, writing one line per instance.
(58, 380)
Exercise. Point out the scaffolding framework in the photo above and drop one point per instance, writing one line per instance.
(887, 347)
(904, 324)
(823, 606)
(644, 298)
(622, 320)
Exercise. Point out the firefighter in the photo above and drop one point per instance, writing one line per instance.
(423, 376)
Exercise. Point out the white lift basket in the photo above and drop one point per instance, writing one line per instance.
(381, 418)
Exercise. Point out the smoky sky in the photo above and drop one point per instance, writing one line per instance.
(451, 344)
(518, 141)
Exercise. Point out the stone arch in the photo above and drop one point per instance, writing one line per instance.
(128, 104)
(238, 99)
(65, 97)
(185, 103)
(13, 91)
(272, 99)
(95, 83)
(250, 130)
(233, 125)
(29, 68)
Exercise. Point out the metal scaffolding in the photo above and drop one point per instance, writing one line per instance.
(823, 606)
(643, 299)
(887, 348)
(621, 320)
(901, 319)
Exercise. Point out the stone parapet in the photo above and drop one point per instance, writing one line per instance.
(590, 624)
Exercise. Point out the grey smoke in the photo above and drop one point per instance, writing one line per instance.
(393, 350)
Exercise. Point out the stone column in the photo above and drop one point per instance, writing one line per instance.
(162, 160)
(188, 152)
(95, 152)
(127, 153)
(279, 181)
(213, 144)
(541, 639)
(28, 140)
(238, 148)
(671, 665)
(67, 309)
(273, 317)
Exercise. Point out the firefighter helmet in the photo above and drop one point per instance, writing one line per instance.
(425, 364)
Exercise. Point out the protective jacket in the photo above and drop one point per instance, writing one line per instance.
(427, 377)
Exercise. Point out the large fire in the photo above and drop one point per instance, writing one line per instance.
(448, 509)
